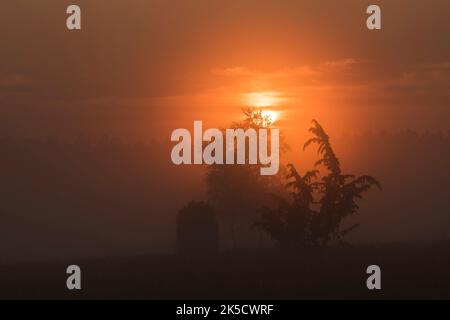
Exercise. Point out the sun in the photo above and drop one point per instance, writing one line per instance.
(266, 101)
(271, 115)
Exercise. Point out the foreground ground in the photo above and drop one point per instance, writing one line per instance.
(408, 271)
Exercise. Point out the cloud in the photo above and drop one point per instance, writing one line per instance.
(300, 71)
(14, 80)
(445, 65)
(349, 81)
(232, 72)
(337, 65)
(289, 80)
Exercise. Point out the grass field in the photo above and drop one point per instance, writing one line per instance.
(408, 271)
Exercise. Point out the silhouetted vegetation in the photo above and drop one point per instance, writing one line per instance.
(85, 197)
(302, 220)
(197, 230)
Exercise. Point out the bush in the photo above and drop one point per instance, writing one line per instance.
(197, 229)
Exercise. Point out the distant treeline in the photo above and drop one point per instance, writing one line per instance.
(109, 197)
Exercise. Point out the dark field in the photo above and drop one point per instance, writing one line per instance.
(407, 271)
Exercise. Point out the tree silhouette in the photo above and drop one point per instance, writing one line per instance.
(296, 222)
(237, 191)
(197, 230)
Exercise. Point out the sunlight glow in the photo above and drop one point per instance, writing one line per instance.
(262, 99)
(271, 115)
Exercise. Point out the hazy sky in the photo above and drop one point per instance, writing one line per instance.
(138, 65)
(139, 69)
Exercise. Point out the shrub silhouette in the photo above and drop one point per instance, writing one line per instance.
(197, 230)
(305, 221)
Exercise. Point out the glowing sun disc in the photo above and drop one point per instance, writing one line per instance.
(271, 115)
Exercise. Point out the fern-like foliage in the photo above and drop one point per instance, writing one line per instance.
(302, 220)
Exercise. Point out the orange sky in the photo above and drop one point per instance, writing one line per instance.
(151, 66)
(142, 68)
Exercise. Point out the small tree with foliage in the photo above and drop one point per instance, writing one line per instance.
(237, 191)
